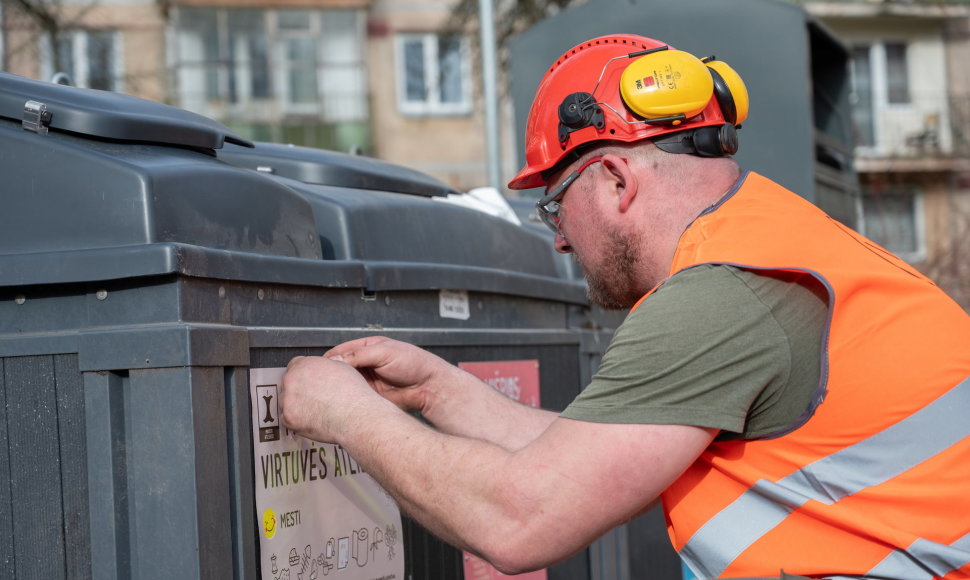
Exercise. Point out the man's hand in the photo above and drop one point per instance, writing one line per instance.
(320, 395)
(398, 371)
(453, 400)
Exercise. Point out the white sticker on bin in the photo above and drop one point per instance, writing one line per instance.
(454, 304)
(318, 514)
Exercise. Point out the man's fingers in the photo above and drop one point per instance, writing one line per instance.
(362, 356)
(351, 345)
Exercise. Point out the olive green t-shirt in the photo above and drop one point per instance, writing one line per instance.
(715, 346)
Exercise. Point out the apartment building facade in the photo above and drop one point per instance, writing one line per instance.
(377, 77)
(911, 127)
(374, 76)
(112, 45)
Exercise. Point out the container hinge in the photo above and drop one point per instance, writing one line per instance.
(36, 117)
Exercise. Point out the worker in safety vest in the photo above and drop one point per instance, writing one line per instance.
(797, 397)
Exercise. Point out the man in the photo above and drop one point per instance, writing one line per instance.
(796, 396)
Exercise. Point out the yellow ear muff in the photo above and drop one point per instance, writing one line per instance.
(732, 95)
(666, 84)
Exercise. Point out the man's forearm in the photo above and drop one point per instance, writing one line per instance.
(456, 487)
(489, 499)
(501, 504)
(467, 407)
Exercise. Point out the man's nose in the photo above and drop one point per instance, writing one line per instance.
(562, 245)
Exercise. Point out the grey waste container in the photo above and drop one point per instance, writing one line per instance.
(424, 245)
(142, 278)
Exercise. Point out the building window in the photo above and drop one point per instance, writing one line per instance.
(880, 77)
(893, 218)
(253, 68)
(247, 70)
(897, 74)
(89, 57)
(433, 76)
(862, 99)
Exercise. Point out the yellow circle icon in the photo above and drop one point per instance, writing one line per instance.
(269, 523)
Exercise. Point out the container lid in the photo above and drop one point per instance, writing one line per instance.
(43, 106)
(322, 167)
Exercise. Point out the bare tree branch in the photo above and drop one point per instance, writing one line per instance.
(50, 16)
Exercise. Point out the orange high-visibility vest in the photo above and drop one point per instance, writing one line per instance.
(875, 478)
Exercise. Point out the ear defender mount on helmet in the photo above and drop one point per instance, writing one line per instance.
(667, 87)
(578, 111)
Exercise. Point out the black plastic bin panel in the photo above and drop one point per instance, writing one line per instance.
(158, 458)
(182, 430)
(44, 529)
(651, 554)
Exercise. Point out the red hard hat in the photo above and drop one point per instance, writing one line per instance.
(624, 88)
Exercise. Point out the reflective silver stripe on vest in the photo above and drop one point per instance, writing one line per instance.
(872, 461)
(923, 560)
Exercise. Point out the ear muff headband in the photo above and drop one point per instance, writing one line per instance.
(724, 99)
(729, 90)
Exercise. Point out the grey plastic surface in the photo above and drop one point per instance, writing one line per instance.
(321, 167)
(404, 237)
(67, 194)
(111, 115)
(356, 224)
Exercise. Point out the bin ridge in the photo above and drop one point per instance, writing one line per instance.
(111, 115)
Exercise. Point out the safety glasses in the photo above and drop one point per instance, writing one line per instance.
(548, 207)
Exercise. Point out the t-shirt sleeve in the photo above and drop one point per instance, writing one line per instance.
(699, 351)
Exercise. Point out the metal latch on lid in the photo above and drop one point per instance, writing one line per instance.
(36, 117)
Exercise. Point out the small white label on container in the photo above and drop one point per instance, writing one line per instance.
(454, 304)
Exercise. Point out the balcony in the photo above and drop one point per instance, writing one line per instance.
(872, 8)
(932, 133)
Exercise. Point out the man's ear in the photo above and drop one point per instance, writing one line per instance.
(624, 181)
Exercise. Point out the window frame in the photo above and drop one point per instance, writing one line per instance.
(308, 26)
(278, 51)
(879, 84)
(432, 104)
(80, 75)
(919, 253)
(906, 82)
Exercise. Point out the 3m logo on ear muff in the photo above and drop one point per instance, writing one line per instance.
(672, 86)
